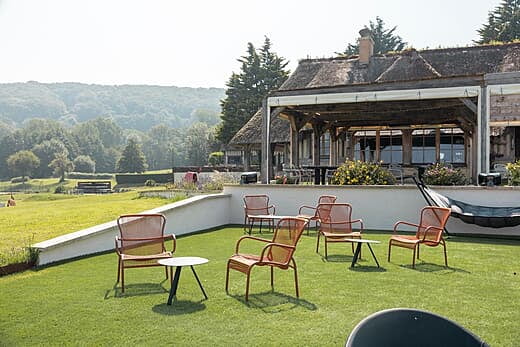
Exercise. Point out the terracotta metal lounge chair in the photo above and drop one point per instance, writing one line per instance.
(311, 213)
(428, 232)
(255, 205)
(336, 224)
(141, 242)
(277, 252)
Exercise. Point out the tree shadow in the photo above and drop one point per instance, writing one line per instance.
(274, 302)
(136, 289)
(484, 240)
(430, 267)
(179, 307)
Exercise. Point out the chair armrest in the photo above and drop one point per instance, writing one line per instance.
(273, 207)
(360, 221)
(405, 223)
(174, 241)
(273, 244)
(117, 242)
(309, 207)
(429, 228)
(248, 238)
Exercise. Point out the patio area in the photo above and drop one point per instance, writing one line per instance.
(77, 302)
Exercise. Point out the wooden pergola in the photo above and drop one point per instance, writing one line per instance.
(463, 102)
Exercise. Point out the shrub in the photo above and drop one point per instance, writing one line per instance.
(59, 189)
(362, 173)
(19, 179)
(284, 179)
(216, 158)
(441, 175)
(150, 183)
(513, 170)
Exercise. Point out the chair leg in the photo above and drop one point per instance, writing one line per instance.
(247, 284)
(118, 270)
(413, 262)
(122, 277)
(166, 271)
(326, 255)
(389, 249)
(317, 242)
(296, 279)
(418, 248)
(445, 255)
(227, 278)
(272, 278)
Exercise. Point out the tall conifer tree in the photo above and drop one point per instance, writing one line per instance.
(385, 40)
(503, 23)
(261, 72)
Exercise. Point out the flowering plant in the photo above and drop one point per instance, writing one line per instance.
(361, 173)
(513, 171)
(284, 179)
(442, 175)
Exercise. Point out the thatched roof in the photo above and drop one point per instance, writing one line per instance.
(251, 132)
(407, 65)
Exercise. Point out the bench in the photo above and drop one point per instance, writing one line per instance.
(99, 187)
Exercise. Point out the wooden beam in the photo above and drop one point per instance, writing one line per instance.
(469, 104)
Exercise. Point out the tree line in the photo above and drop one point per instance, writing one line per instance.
(42, 147)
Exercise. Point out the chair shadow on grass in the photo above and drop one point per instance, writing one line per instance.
(179, 307)
(337, 258)
(274, 302)
(136, 289)
(431, 267)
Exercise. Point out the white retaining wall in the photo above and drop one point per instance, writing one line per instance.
(182, 217)
(379, 207)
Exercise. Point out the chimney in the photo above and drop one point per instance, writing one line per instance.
(366, 45)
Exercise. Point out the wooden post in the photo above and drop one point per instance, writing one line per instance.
(378, 147)
(317, 132)
(437, 145)
(293, 146)
(265, 163)
(407, 146)
(333, 158)
(247, 155)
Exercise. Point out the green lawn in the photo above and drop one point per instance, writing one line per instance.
(39, 217)
(76, 303)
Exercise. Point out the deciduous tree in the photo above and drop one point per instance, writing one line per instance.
(61, 165)
(22, 163)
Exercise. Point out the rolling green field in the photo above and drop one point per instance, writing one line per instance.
(39, 217)
(79, 303)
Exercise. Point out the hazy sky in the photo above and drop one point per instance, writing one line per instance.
(196, 43)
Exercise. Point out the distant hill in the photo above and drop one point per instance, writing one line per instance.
(131, 106)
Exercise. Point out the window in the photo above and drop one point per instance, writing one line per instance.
(391, 146)
(452, 146)
(423, 146)
(365, 145)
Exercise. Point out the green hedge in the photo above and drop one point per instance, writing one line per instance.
(142, 178)
(92, 176)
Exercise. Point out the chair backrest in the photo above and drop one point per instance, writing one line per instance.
(405, 327)
(256, 204)
(325, 199)
(335, 217)
(436, 217)
(141, 234)
(288, 232)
